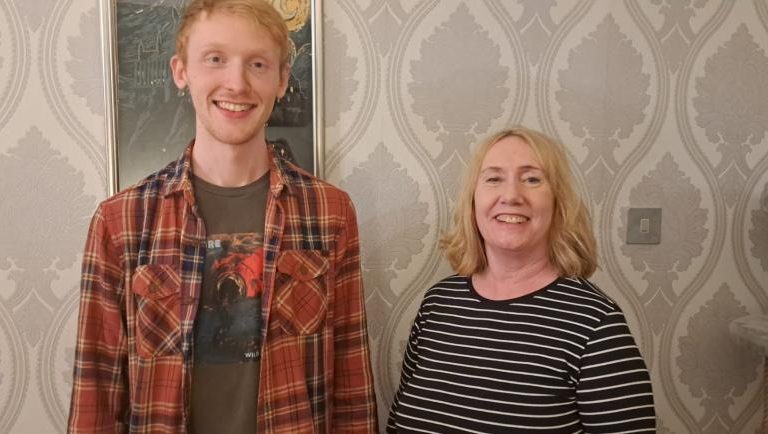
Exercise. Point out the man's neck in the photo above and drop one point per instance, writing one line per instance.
(228, 165)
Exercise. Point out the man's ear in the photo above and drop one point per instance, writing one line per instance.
(285, 73)
(179, 72)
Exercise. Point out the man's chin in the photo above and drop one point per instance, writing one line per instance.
(238, 139)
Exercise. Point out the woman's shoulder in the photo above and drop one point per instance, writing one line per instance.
(585, 292)
(452, 282)
(449, 286)
(453, 279)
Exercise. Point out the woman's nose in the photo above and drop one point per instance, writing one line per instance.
(511, 193)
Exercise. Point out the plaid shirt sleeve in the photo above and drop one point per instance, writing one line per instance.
(99, 395)
(354, 407)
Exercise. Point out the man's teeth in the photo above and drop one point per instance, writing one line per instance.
(517, 219)
(233, 107)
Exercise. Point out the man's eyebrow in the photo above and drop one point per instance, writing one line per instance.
(222, 46)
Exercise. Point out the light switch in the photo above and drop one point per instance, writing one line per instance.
(644, 226)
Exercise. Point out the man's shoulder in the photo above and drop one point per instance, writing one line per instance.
(152, 186)
(307, 185)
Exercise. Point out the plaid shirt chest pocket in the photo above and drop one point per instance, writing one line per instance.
(158, 297)
(301, 298)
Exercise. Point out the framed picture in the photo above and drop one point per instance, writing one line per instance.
(148, 123)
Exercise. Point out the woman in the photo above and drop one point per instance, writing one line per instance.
(518, 340)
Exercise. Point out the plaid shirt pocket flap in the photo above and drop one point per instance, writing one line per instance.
(156, 281)
(301, 295)
(302, 264)
(158, 309)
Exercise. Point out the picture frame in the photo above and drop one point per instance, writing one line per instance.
(148, 123)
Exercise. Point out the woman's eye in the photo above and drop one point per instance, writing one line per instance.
(214, 59)
(258, 65)
(492, 179)
(533, 180)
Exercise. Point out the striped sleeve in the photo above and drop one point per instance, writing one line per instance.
(410, 360)
(614, 389)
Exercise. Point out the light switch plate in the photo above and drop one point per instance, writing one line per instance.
(644, 226)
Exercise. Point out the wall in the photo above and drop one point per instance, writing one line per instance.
(52, 174)
(661, 103)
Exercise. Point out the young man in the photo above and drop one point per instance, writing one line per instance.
(223, 293)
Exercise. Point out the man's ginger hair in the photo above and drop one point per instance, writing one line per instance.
(257, 11)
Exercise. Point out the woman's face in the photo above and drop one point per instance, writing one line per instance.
(514, 203)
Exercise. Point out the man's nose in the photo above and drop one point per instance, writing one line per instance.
(237, 79)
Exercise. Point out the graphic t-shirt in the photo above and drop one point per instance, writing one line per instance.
(225, 375)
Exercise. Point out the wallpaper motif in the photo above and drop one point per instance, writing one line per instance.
(14, 60)
(34, 13)
(460, 115)
(661, 103)
(676, 33)
(86, 79)
(388, 205)
(57, 361)
(56, 65)
(536, 27)
(35, 256)
(683, 231)
(14, 371)
(734, 113)
(340, 88)
(603, 105)
(714, 367)
(385, 21)
(759, 232)
(352, 78)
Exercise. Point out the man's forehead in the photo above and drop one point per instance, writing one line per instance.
(225, 18)
(209, 30)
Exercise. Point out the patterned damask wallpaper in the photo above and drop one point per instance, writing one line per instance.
(662, 103)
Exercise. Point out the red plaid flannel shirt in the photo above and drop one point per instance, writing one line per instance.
(141, 279)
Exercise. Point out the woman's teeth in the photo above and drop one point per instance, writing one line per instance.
(517, 219)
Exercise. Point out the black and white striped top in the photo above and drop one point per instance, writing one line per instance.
(558, 360)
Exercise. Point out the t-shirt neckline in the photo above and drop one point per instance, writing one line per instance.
(477, 295)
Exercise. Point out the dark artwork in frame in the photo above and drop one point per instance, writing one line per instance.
(153, 123)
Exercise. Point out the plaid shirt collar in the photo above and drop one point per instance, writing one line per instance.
(179, 175)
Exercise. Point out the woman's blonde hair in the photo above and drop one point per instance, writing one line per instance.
(572, 248)
(257, 11)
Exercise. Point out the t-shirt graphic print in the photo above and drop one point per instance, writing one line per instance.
(229, 315)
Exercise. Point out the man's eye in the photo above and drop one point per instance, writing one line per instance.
(214, 59)
(258, 65)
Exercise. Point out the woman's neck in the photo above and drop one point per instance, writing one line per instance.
(504, 280)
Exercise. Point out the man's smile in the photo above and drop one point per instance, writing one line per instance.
(232, 106)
